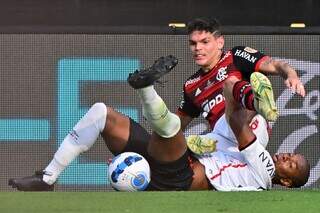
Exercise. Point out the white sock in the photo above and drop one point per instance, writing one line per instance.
(80, 139)
(163, 122)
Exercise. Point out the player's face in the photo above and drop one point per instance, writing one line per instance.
(288, 165)
(206, 48)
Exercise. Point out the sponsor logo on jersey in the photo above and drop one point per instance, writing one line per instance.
(209, 104)
(198, 91)
(191, 81)
(222, 74)
(268, 163)
(250, 50)
(245, 55)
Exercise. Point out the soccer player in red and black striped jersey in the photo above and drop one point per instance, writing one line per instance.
(202, 92)
(202, 96)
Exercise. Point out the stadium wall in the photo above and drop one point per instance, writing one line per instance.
(48, 81)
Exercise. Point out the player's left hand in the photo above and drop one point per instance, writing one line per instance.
(295, 85)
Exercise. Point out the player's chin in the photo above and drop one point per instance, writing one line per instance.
(201, 62)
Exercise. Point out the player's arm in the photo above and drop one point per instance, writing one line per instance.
(239, 123)
(288, 73)
(255, 154)
(249, 60)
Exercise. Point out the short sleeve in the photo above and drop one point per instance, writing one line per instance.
(260, 161)
(246, 59)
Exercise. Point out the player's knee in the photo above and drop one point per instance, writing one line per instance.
(99, 108)
(98, 114)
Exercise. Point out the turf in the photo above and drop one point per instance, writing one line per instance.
(161, 202)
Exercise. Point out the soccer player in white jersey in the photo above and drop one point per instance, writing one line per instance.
(122, 134)
(247, 166)
(241, 161)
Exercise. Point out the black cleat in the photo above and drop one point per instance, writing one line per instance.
(31, 183)
(146, 77)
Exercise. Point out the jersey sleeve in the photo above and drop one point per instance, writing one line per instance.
(247, 59)
(187, 107)
(260, 161)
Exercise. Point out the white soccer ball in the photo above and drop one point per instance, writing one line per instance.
(129, 171)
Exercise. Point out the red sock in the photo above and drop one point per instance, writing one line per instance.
(242, 93)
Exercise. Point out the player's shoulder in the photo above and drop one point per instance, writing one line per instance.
(260, 159)
(238, 50)
(246, 57)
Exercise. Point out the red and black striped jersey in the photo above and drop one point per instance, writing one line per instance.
(202, 92)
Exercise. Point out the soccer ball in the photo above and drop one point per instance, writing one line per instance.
(129, 171)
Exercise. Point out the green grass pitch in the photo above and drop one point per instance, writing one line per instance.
(274, 201)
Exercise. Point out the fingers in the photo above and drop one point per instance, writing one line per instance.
(287, 83)
(296, 87)
(300, 90)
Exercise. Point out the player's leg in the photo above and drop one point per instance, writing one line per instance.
(119, 132)
(256, 95)
(168, 143)
(114, 127)
(237, 116)
(167, 151)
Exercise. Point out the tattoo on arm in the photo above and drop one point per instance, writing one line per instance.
(275, 67)
(266, 63)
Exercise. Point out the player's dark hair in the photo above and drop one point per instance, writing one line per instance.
(302, 179)
(204, 24)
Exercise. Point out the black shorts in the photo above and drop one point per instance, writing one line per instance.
(138, 139)
(171, 176)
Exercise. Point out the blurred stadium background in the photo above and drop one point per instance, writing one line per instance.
(59, 57)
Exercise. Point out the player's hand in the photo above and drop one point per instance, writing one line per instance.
(295, 85)
(201, 145)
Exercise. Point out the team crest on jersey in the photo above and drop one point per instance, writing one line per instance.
(222, 74)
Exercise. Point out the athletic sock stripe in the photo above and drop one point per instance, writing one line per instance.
(248, 100)
(237, 90)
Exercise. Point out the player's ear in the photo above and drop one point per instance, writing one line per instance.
(286, 182)
(220, 41)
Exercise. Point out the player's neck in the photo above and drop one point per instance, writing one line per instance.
(213, 63)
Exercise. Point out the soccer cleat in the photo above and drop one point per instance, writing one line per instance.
(146, 77)
(263, 96)
(201, 145)
(31, 183)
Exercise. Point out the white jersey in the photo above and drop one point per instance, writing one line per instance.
(229, 169)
